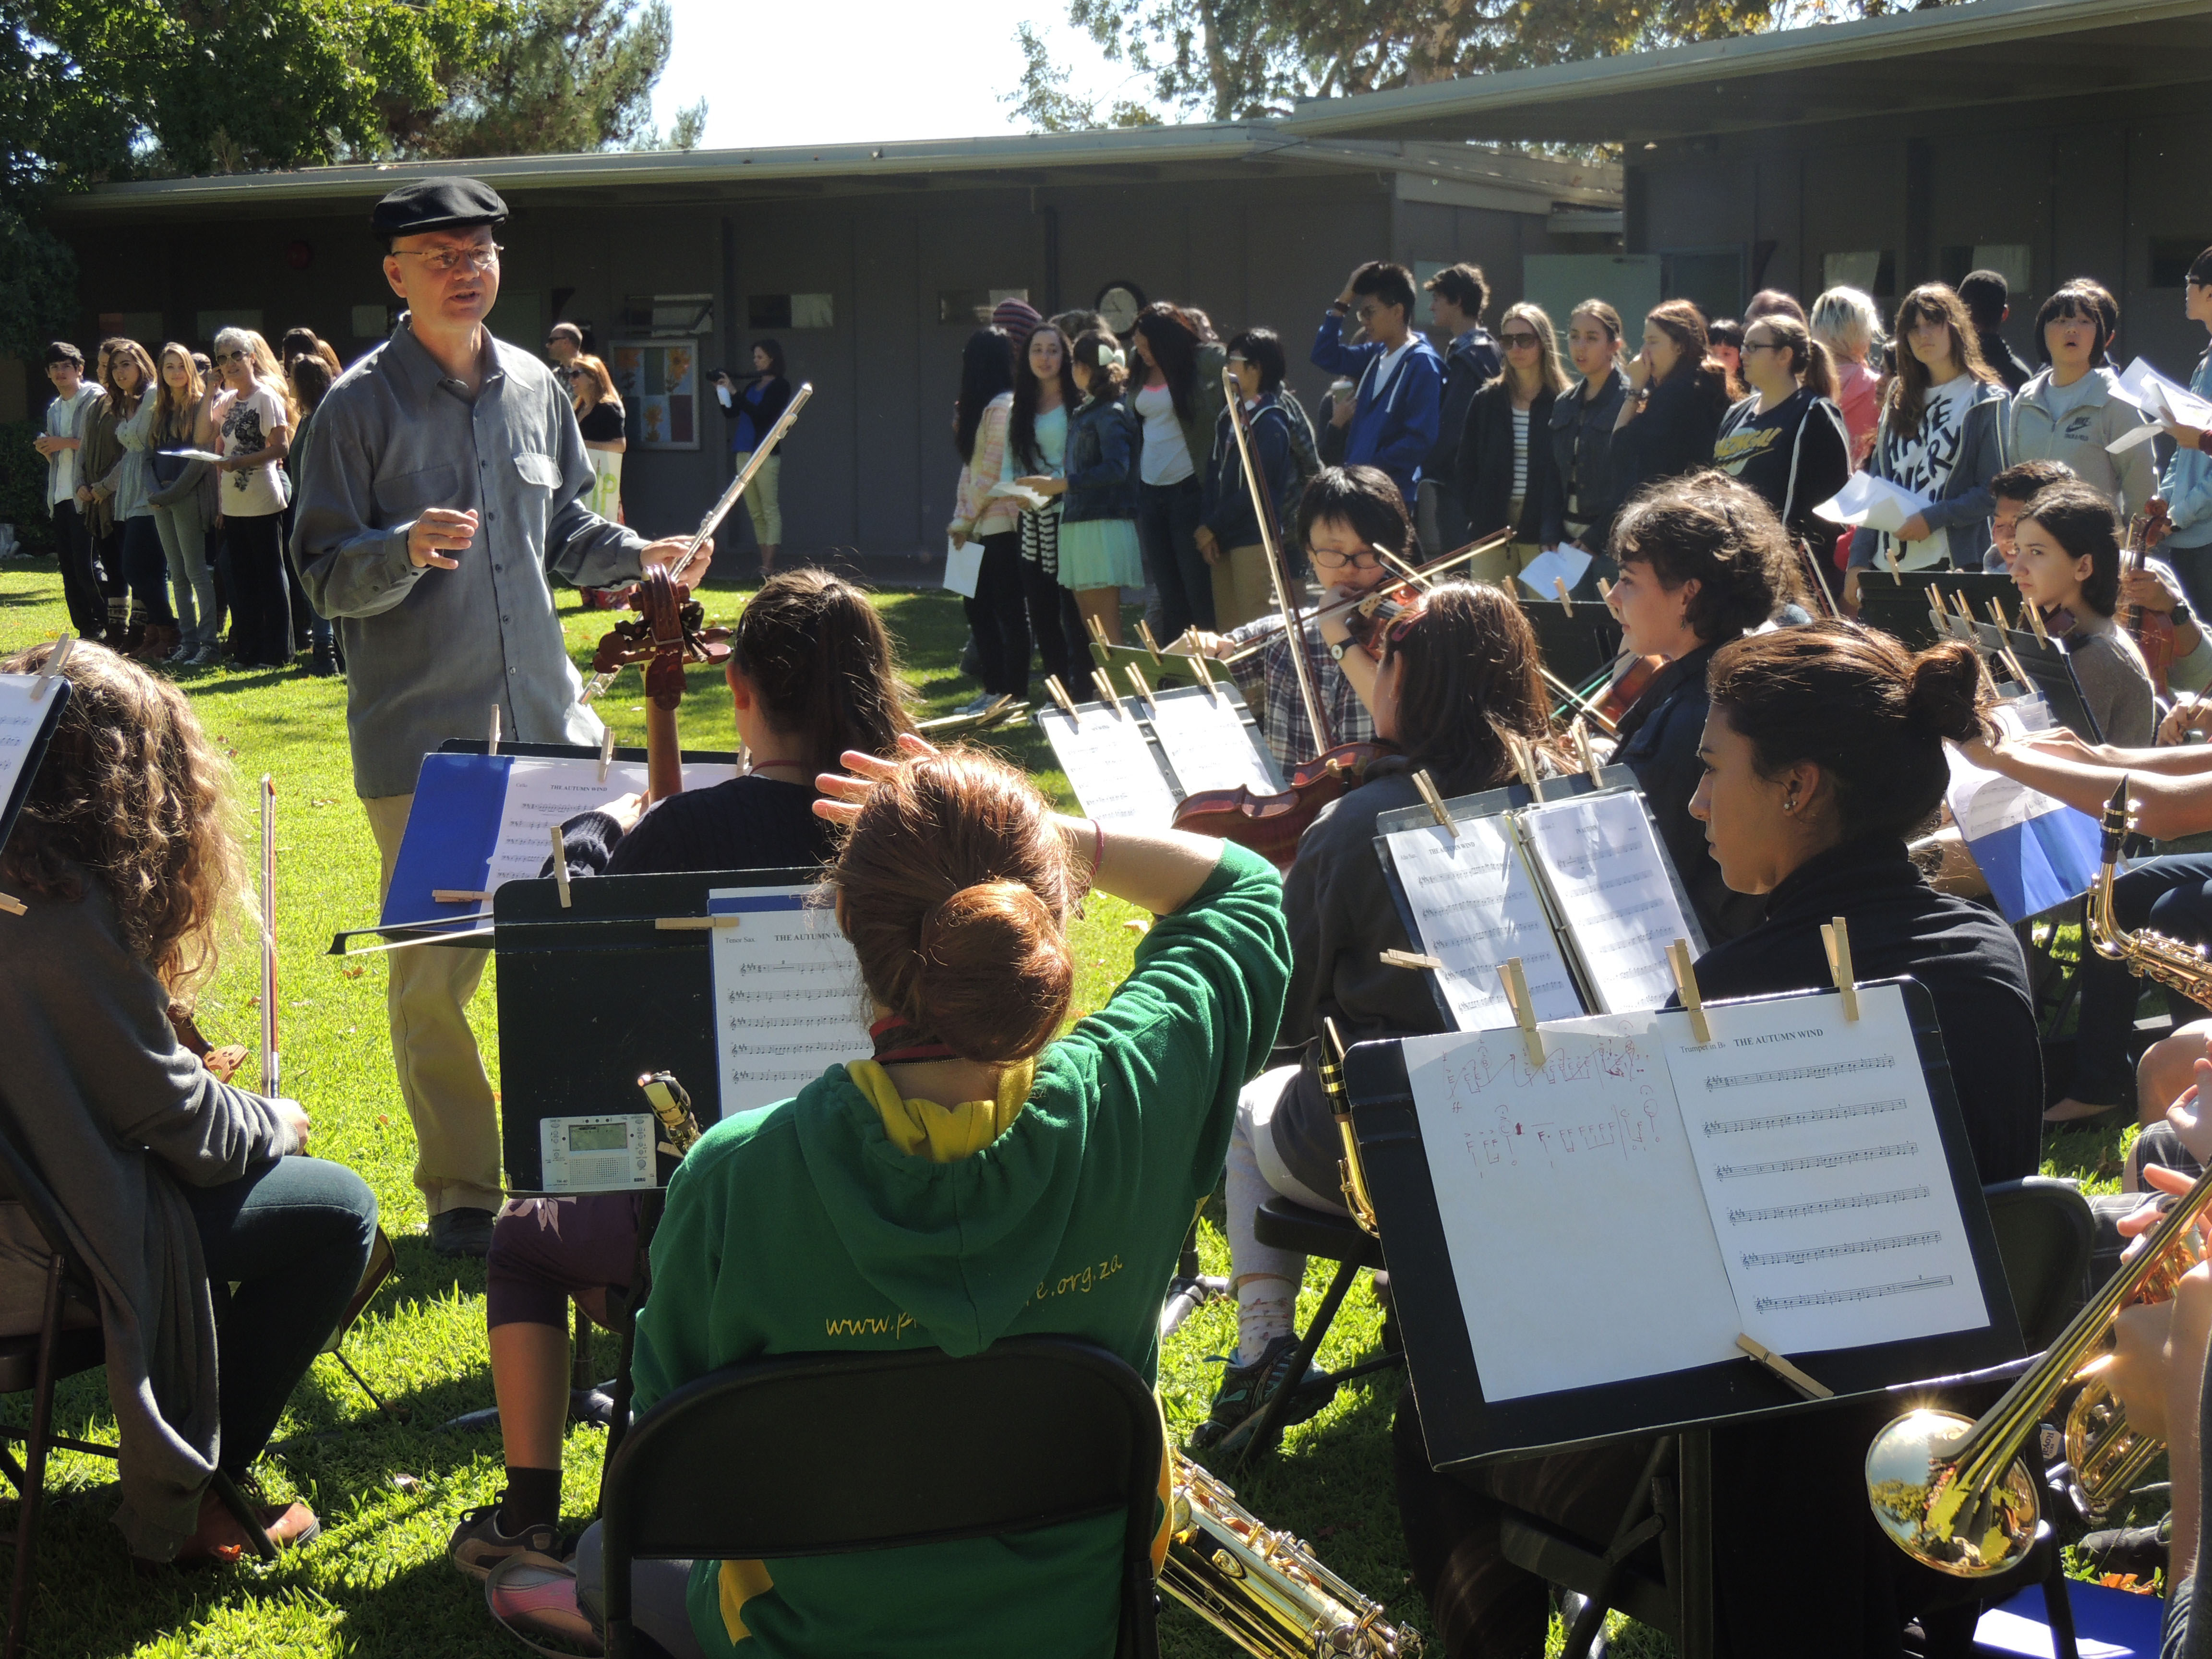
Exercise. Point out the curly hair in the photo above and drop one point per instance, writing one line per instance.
(132, 793)
(1719, 533)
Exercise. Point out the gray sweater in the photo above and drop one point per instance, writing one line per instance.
(114, 1114)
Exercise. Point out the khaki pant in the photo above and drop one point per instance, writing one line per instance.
(442, 1075)
(1243, 590)
(763, 497)
(1500, 566)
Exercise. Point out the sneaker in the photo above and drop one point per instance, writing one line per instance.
(2142, 1551)
(532, 1597)
(207, 656)
(463, 1231)
(1245, 1391)
(478, 1545)
(977, 704)
(323, 666)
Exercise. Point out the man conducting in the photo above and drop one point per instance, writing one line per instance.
(444, 490)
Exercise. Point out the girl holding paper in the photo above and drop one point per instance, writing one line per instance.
(1787, 440)
(1037, 431)
(998, 618)
(1942, 438)
(1099, 551)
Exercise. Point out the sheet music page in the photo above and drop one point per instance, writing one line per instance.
(1208, 744)
(542, 791)
(1606, 869)
(1475, 908)
(1817, 1147)
(20, 721)
(1570, 1211)
(1110, 767)
(788, 1003)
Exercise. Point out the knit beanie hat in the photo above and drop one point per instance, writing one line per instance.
(1019, 319)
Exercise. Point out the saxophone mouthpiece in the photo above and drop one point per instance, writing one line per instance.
(2117, 814)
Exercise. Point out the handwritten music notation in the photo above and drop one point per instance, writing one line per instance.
(1843, 1160)
(1854, 1293)
(1832, 1252)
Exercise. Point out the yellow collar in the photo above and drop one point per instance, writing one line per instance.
(943, 1135)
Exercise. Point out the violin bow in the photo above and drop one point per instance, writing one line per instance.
(719, 511)
(1415, 575)
(1286, 600)
(272, 1068)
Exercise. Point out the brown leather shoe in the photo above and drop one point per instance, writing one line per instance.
(220, 1538)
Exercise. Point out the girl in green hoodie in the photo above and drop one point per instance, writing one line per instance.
(976, 1180)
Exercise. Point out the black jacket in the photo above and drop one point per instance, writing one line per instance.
(2001, 357)
(1674, 434)
(1963, 953)
(1471, 362)
(1797, 455)
(1485, 466)
(1658, 742)
(1582, 463)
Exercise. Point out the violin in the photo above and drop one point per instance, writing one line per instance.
(1632, 680)
(2151, 631)
(669, 633)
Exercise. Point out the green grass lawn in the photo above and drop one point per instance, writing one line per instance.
(376, 1583)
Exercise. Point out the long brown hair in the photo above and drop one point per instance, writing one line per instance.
(1021, 424)
(1682, 323)
(953, 885)
(125, 403)
(1471, 675)
(816, 652)
(1553, 378)
(1908, 393)
(132, 793)
(173, 419)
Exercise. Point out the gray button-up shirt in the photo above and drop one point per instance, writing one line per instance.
(429, 650)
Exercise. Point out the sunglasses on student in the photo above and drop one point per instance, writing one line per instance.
(1518, 341)
(230, 356)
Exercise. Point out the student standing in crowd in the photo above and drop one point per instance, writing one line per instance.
(598, 409)
(1178, 398)
(997, 615)
(1397, 397)
(312, 380)
(1099, 551)
(2073, 409)
(1988, 299)
(95, 459)
(1724, 339)
(443, 495)
(2066, 560)
(1229, 526)
(182, 503)
(756, 407)
(248, 412)
(1036, 454)
(2187, 485)
(1787, 439)
(124, 492)
(1845, 321)
(1504, 461)
(1677, 393)
(1943, 437)
(1773, 302)
(67, 417)
(1583, 498)
(1458, 295)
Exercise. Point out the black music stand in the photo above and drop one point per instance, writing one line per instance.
(31, 740)
(1578, 644)
(1900, 602)
(2043, 661)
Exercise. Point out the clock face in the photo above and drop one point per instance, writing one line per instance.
(1119, 304)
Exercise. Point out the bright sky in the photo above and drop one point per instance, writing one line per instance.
(896, 71)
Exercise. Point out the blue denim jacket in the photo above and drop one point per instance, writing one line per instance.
(2187, 485)
(1103, 441)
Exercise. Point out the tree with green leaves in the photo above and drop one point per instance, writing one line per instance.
(564, 76)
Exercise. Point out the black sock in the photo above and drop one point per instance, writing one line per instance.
(532, 1498)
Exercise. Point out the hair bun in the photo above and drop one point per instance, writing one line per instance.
(1946, 693)
(996, 974)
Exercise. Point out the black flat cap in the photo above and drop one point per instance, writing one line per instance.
(437, 204)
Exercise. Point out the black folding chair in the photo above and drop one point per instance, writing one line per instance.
(1288, 1226)
(34, 1362)
(796, 1456)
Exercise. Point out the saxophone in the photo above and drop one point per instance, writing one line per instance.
(2183, 968)
(671, 1105)
(1263, 1589)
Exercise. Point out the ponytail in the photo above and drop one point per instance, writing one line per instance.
(816, 652)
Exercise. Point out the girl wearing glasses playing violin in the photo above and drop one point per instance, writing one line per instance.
(1453, 676)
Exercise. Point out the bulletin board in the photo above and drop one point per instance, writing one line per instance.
(659, 380)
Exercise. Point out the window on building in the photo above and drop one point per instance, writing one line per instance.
(2171, 257)
(973, 306)
(791, 311)
(1872, 270)
(2010, 260)
(372, 322)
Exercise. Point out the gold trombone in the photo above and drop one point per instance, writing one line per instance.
(1955, 1495)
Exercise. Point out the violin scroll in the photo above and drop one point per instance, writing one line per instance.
(670, 632)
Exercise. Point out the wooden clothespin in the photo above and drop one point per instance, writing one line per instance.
(1097, 629)
(2019, 674)
(1686, 981)
(1998, 614)
(1566, 604)
(1605, 590)
(1427, 786)
(456, 896)
(560, 866)
(55, 658)
(694, 924)
(1143, 690)
(1936, 602)
(16, 906)
(2033, 613)
(1515, 981)
(1411, 959)
(1579, 732)
(1889, 552)
(492, 745)
(1837, 937)
(1782, 1369)
(1988, 680)
(1200, 665)
(1059, 696)
(606, 752)
(1524, 759)
(1144, 633)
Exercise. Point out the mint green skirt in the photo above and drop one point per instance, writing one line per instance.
(1100, 553)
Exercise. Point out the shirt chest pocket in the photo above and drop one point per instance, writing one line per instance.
(542, 471)
(403, 496)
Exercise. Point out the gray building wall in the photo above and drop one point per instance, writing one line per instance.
(870, 466)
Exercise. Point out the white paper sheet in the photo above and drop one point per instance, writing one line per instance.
(1109, 766)
(1824, 1173)
(542, 791)
(1012, 490)
(2163, 400)
(1606, 868)
(1569, 1205)
(1476, 906)
(1567, 565)
(20, 720)
(1874, 502)
(964, 566)
(788, 1002)
(1207, 742)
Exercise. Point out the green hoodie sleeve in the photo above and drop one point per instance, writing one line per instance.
(674, 1330)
